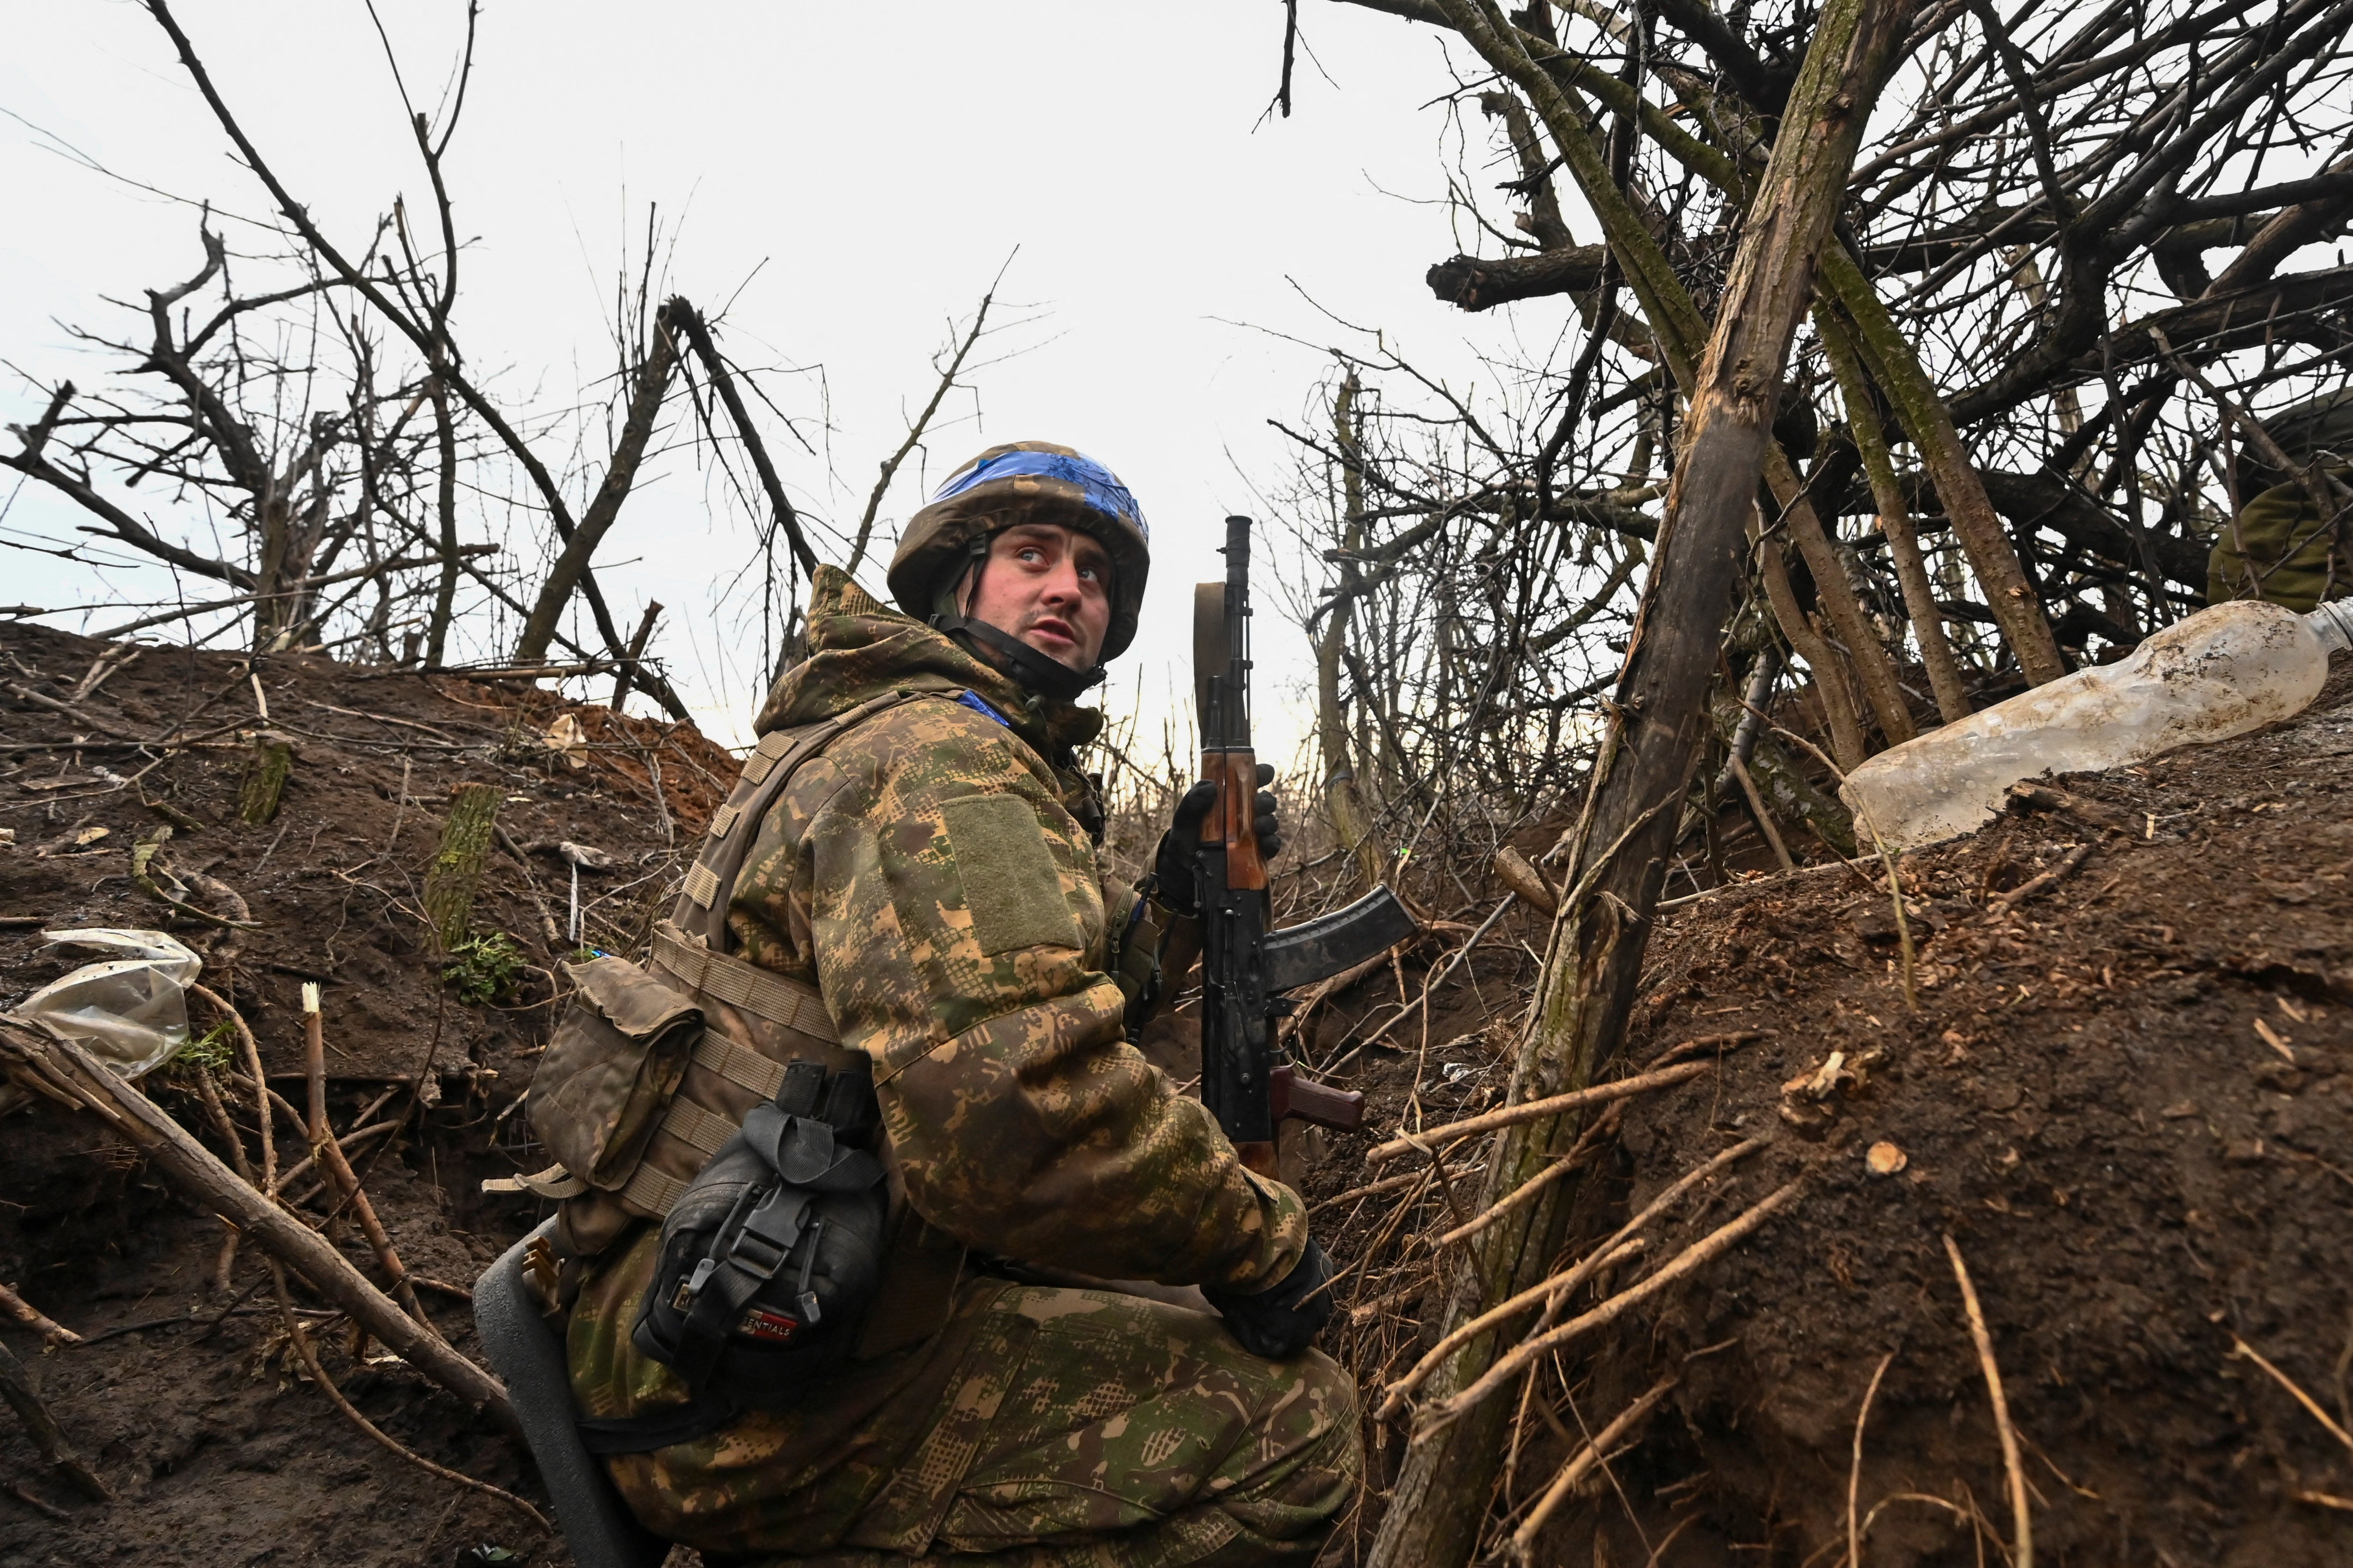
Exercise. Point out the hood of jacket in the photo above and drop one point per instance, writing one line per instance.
(860, 648)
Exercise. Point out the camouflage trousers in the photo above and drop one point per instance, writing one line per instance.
(1050, 1429)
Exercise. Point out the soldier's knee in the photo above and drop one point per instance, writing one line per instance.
(1308, 1457)
(1339, 1449)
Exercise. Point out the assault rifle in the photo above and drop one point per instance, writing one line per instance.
(1245, 968)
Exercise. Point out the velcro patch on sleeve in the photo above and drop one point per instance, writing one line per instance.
(1010, 882)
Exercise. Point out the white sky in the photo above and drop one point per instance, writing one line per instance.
(866, 168)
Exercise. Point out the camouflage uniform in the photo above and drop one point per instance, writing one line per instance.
(929, 875)
(2281, 549)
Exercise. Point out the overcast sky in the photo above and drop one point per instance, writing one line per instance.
(850, 176)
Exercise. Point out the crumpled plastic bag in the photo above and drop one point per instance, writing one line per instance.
(567, 740)
(131, 1012)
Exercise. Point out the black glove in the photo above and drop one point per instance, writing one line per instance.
(1173, 866)
(1279, 1323)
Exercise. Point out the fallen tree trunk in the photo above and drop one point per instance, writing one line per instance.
(65, 1072)
(1441, 1494)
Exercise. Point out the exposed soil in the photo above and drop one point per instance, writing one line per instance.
(2134, 1171)
(2129, 1102)
(215, 1450)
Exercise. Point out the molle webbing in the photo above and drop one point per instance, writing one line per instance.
(762, 993)
(683, 949)
(701, 910)
(707, 1131)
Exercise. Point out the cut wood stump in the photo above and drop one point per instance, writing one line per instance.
(265, 778)
(457, 869)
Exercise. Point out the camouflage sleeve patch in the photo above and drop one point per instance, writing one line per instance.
(1010, 882)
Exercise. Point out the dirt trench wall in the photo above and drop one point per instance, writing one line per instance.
(2129, 1102)
(215, 1447)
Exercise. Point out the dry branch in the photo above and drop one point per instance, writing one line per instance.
(2023, 1544)
(327, 1151)
(1695, 1256)
(63, 1069)
(1552, 1290)
(1582, 1463)
(2042, 882)
(300, 1338)
(33, 1318)
(47, 1435)
(1537, 1109)
(1855, 1467)
(2301, 1398)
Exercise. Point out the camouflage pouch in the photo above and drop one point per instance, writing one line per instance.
(612, 1069)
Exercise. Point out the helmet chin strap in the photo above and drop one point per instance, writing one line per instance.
(1048, 677)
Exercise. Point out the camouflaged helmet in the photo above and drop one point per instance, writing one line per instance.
(1022, 482)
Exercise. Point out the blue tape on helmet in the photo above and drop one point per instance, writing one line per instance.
(1099, 486)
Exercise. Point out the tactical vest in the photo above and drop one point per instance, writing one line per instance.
(653, 1070)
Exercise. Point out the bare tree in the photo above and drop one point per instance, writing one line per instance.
(2033, 369)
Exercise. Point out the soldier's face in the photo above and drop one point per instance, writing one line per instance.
(1050, 587)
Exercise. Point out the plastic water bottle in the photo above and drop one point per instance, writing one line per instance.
(2221, 672)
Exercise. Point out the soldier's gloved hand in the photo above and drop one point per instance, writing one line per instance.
(1173, 865)
(1279, 1323)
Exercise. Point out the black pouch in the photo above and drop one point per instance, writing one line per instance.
(772, 1256)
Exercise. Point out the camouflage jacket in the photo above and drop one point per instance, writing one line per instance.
(928, 874)
(2279, 548)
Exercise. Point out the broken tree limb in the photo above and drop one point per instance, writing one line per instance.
(2026, 797)
(209, 1093)
(17, 1390)
(1581, 1465)
(301, 1341)
(1352, 818)
(1586, 1150)
(33, 1318)
(1522, 876)
(326, 1150)
(687, 321)
(2311, 1406)
(1697, 1256)
(252, 1050)
(67, 1071)
(1535, 1109)
(571, 569)
(1547, 1295)
(636, 652)
(1748, 791)
(2022, 1540)
(1928, 420)
(1808, 644)
(1895, 514)
(2044, 882)
(143, 877)
(1561, 1284)
(1874, 672)
(1593, 964)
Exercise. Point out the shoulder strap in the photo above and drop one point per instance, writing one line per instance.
(701, 908)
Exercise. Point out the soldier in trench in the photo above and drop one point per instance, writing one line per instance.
(931, 874)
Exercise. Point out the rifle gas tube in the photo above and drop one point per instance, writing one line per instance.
(1244, 967)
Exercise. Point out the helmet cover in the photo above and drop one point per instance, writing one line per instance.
(1025, 483)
